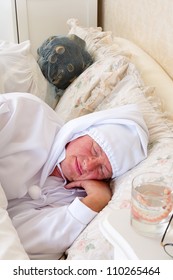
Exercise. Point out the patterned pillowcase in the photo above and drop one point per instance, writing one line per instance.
(113, 82)
(91, 87)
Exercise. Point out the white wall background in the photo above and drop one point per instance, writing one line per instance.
(7, 21)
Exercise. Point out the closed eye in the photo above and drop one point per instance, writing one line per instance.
(103, 171)
(94, 151)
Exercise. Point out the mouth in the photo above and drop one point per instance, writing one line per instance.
(78, 167)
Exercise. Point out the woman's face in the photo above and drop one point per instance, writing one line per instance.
(85, 160)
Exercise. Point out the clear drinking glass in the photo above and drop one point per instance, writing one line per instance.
(151, 203)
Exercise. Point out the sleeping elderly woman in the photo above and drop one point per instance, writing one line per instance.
(55, 175)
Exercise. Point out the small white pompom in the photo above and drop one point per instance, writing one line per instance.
(34, 192)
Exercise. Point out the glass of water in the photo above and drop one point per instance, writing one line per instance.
(151, 204)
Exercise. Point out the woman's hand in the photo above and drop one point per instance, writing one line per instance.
(98, 193)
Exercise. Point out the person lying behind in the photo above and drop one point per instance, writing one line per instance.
(56, 175)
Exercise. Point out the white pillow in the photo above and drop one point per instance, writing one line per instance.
(151, 72)
(11, 247)
(101, 43)
(19, 72)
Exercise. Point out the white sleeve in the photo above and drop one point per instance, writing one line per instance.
(50, 231)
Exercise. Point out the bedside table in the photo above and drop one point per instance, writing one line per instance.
(127, 243)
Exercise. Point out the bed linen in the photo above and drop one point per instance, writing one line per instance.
(120, 75)
(11, 247)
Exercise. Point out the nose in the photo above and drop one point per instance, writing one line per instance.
(91, 163)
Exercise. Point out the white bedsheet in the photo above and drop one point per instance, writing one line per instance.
(11, 247)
